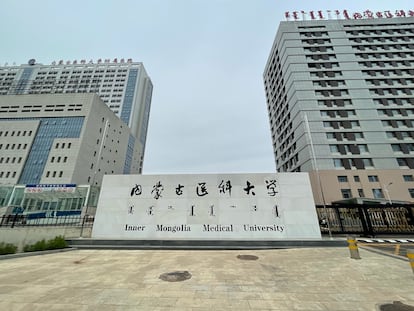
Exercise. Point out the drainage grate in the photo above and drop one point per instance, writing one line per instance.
(247, 257)
(396, 306)
(176, 276)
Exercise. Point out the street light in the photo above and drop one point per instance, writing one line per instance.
(388, 193)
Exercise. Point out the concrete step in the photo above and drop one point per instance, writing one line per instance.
(87, 243)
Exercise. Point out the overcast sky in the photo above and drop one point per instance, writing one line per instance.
(205, 59)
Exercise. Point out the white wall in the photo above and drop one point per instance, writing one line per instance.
(182, 211)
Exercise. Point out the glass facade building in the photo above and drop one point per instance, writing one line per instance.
(124, 86)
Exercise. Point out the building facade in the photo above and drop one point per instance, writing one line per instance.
(340, 98)
(124, 86)
(63, 139)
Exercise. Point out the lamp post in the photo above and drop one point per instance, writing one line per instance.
(388, 193)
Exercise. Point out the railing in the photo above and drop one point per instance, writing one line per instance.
(27, 221)
(367, 220)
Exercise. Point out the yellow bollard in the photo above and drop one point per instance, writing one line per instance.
(353, 247)
(410, 255)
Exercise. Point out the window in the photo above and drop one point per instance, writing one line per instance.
(373, 178)
(346, 193)
(354, 124)
(367, 162)
(361, 193)
(334, 148)
(402, 162)
(408, 177)
(411, 192)
(378, 193)
(396, 147)
(363, 148)
(338, 163)
(356, 179)
(343, 178)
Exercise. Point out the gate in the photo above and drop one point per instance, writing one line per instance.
(367, 219)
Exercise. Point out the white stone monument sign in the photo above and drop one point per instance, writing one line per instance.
(206, 207)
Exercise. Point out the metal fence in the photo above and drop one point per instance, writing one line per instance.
(64, 221)
(367, 220)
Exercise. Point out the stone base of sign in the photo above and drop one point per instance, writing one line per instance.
(202, 244)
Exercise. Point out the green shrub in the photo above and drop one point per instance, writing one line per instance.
(7, 248)
(38, 246)
(56, 243)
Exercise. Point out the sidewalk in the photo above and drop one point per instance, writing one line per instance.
(280, 279)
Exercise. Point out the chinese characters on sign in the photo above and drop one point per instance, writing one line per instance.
(40, 188)
(157, 189)
(202, 189)
(345, 14)
(99, 61)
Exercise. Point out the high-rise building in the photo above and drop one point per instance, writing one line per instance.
(63, 139)
(123, 85)
(340, 98)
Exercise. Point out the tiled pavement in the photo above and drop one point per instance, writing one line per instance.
(280, 279)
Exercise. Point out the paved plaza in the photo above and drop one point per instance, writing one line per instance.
(279, 279)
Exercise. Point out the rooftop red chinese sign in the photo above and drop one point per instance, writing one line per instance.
(345, 14)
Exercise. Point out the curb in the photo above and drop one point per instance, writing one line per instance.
(27, 254)
(201, 244)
